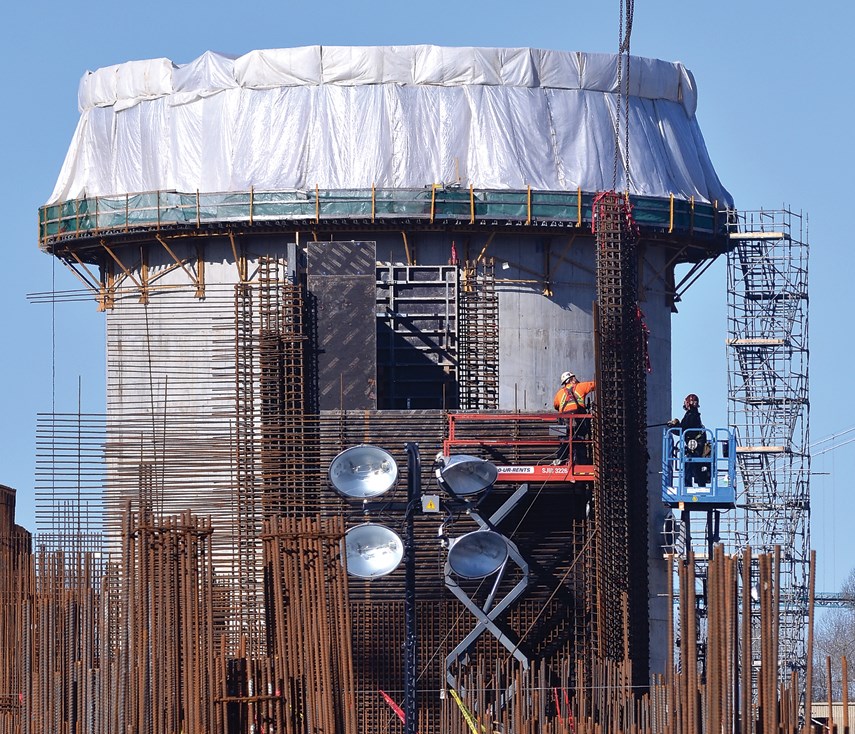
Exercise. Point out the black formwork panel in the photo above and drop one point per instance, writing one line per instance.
(341, 303)
(416, 336)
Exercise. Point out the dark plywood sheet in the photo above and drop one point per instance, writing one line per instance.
(342, 295)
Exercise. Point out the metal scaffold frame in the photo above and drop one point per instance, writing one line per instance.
(769, 409)
(478, 360)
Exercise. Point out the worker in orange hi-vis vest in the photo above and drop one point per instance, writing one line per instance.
(570, 398)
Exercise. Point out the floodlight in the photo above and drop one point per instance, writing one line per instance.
(477, 554)
(462, 475)
(372, 550)
(364, 471)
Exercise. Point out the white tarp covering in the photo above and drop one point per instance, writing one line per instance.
(391, 117)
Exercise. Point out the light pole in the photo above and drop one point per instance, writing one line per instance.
(372, 550)
(411, 646)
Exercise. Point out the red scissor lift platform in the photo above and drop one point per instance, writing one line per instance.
(526, 447)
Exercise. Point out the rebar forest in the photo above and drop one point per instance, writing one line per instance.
(143, 643)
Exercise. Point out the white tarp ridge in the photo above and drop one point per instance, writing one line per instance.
(391, 117)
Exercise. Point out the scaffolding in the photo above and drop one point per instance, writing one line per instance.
(769, 410)
(478, 367)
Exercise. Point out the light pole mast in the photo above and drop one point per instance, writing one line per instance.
(411, 661)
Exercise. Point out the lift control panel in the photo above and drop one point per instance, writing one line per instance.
(698, 467)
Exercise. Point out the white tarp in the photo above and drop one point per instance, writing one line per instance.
(390, 117)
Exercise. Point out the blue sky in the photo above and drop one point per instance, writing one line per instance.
(774, 107)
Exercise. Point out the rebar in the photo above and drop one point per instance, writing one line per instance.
(620, 490)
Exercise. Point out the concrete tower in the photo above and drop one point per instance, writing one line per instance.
(299, 250)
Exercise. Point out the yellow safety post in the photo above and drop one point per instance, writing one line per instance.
(579, 206)
(528, 206)
(109, 300)
(144, 276)
(671, 219)
(406, 247)
(373, 201)
(317, 204)
(692, 216)
(471, 204)
(200, 271)
(251, 203)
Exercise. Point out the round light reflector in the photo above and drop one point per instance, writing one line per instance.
(364, 471)
(372, 550)
(464, 475)
(478, 554)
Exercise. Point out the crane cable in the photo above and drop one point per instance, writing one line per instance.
(627, 11)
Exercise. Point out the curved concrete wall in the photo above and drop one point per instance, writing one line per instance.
(172, 361)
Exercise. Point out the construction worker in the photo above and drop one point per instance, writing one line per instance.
(694, 441)
(569, 399)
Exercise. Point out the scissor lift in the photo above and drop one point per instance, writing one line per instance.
(526, 447)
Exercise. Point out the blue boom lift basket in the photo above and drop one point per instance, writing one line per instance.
(698, 467)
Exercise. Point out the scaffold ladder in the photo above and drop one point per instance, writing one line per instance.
(769, 408)
(478, 352)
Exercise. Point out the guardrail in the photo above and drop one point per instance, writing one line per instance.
(92, 216)
(698, 467)
(527, 447)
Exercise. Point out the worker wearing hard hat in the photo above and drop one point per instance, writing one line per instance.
(694, 441)
(570, 399)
